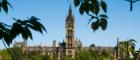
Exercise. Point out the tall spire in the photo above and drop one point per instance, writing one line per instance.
(70, 38)
(70, 10)
(70, 16)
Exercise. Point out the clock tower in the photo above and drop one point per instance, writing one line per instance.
(70, 47)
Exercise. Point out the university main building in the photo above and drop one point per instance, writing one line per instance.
(70, 47)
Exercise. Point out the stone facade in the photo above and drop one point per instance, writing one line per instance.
(69, 47)
(65, 48)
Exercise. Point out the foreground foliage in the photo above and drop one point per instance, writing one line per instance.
(93, 9)
(19, 55)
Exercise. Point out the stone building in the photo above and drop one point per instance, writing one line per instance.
(69, 47)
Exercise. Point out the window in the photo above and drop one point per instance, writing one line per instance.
(69, 45)
(69, 52)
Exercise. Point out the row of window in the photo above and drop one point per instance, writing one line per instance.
(69, 45)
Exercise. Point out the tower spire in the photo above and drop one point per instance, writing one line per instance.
(70, 38)
(70, 10)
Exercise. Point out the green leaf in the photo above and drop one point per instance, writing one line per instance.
(95, 25)
(20, 27)
(26, 33)
(81, 9)
(36, 26)
(4, 33)
(104, 6)
(34, 18)
(5, 5)
(133, 40)
(76, 3)
(15, 30)
(0, 6)
(7, 39)
(103, 23)
(86, 6)
(92, 8)
(97, 9)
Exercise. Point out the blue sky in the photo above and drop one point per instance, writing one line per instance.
(121, 23)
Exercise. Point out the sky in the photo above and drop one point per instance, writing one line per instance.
(122, 23)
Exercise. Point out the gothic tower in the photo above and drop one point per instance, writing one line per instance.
(70, 47)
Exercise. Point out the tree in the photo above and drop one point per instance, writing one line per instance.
(92, 45)
(46, 57)
(137, 55)
(105, 55)
(131, 3)
(34, 55)
(18, 54)
(5, 55)
(23, 27)
(127, 48)
(85, 55)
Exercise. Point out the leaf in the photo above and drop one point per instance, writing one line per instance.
(20, 27)
(5, 33)
(95, 25)
(15, 30)
(0, 6)
(104, 6)
(81, 9)
(97, 9)
(76, 3)
(103, 23)
(26, 33)
(86, 6)
(34, 24)
(5, 5)
(103, 15)
(133, 40)
(34, 18)
(92, 8)
(7, 39)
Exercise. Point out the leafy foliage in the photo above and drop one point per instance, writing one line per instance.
(92, 54)
(127, 48)
(22, 27)
(85, 55)
(4, 32)
(4, 5)
(77, 2)
(92, 9)
(104, 6)
(4, 55)
(19, 55)
(92, 45)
